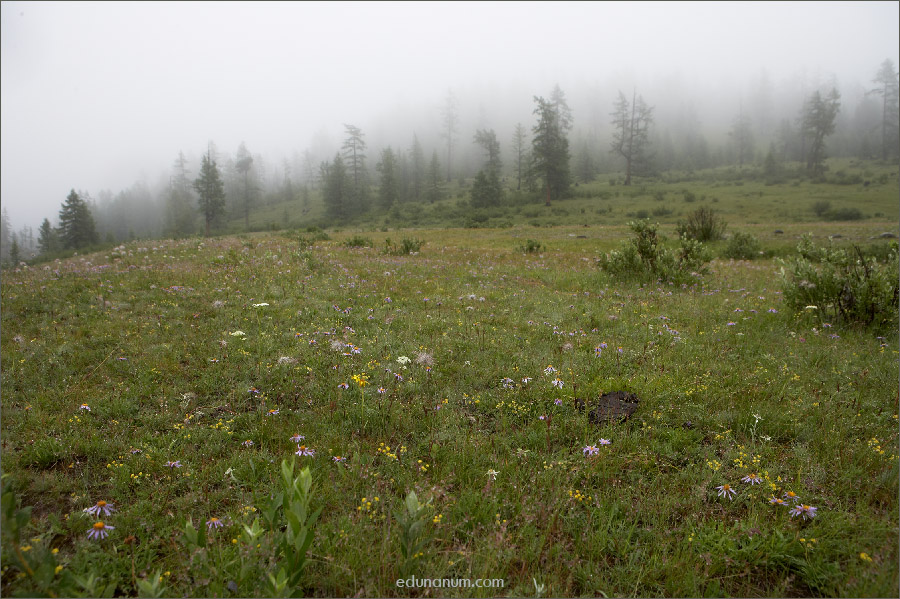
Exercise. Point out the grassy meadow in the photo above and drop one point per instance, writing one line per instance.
(181, 380)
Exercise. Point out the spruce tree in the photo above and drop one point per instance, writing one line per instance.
(550, 150)
(76, 224)
(211, 190)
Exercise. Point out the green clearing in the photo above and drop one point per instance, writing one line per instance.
(182, 349)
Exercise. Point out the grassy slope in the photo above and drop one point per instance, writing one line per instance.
(140, 338)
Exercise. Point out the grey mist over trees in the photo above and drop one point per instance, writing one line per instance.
(115, 101)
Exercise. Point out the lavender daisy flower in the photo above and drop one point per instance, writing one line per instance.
(398, 377)
(175, 464)
(303, 450)
(214, 522)
(247, 443)
(776, 500)
(590, 450)
(790, 495)
(343, 386)
(726, 491)
(549, 369)
(526, 380)
(604, 442)
(297, 438)
(752, 478)
(101, 508)
(99, 530)
(84, 407)
(338, 458)
(557, 401)
(272, 412)
(808, 512)
(557, 382)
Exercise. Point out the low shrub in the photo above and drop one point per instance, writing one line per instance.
(407, 246)
(837, 284)
(531, 246)
(359, 241)
(643, 258)
(703, 225)
(742, 246)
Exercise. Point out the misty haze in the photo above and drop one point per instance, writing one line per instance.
(488, 299)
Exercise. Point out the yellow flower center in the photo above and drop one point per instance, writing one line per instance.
(214, 519)
(101, 503)
(99, 526)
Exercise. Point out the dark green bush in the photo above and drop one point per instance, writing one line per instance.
(643, 258)
(742, 246)
(359, 241)
(531, 246)
(407, 246)
(838, 284)
(702, 225)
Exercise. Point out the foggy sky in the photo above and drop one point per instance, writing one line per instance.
(96, 96)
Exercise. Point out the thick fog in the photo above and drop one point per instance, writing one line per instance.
(99, 96)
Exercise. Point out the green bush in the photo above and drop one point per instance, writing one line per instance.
(702, 225)
(742, 246)
(359, 241)
(531, 246)
(643, 258)
(842, 285)
(844, 214)
(407, 246)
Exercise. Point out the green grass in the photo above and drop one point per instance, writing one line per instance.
(148, 338)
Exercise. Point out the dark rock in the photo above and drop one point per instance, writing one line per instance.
(887, 236)
(616, 406)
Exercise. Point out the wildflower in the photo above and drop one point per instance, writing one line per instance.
(557, 382)
(591, 450)
(239, 334)
(865, 557)
(343, 386)
(598, 350)
(549, 369)
(214, 522)
(398, 377)
(260, 305)
(175, 464)
(726, 491)
(99, 530)
(338, 458)
(303, 450)
(526, 380)
(272, 412)
(247, 443)
(603, 442)
(403, 360)
(807, 511)
(776, 500)
(101, 508)
(557, 401)
(752, 478)
(792, 496)
(84, 407)
(381, 390)
(506, 382)
(297, 438)
(730, 324)
(772, 311)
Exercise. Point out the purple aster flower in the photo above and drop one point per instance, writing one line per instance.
(297, 438)
(214, 522)
(303, 450)
(808, 512)
(175, 464)
(726, 491)
(604, 442)
(590, 450)
(101, 508)
(752, 478)
(99, 530)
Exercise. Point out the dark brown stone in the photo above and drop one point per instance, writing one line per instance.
(616, 406)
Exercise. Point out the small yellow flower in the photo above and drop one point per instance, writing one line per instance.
(865, 557)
